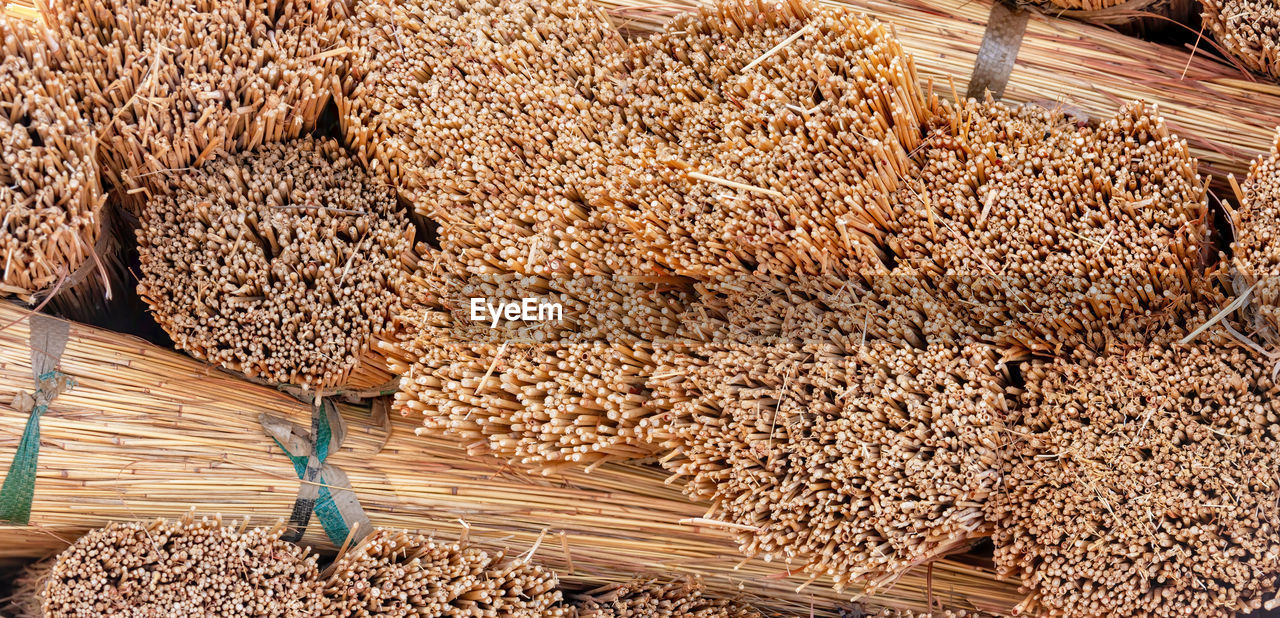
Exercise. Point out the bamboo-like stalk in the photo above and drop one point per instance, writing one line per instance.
(1247, 29)
(53, 234)
(1226, 118)
(660, 599)
(147, 432)
(282, 262)
(166, 85)
(1143, 482)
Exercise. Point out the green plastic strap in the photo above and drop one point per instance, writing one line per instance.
(48, 339)
(325, 490)
(20, 484)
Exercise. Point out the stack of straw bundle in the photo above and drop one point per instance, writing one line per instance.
(1247, 29)
(765, 140)
(1143, 483)
(858, 465)
(656, 599)
(186, 567)
(168, 84)
(281, 263)
(1256, 256)
(392, 573)
(146, 431)
(1050, 234)
(50, 196)
(201, 567)
(1227, 120)
(503, 161)
(848, 432)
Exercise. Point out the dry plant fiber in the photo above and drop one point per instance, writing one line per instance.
(1226, 119)
(282, 263)
(146, 432)
(53, 236)
(168, 84)
(1143, 483)
(393, 573)
(659, 599)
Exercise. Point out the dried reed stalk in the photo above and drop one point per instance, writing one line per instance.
(853, 437)
(1142, 483)
(282, 262)
(763, 139)
(1255, 256)
(1226, 119)
(168, 84)
(393, 573)
(147, 432)
(659, 599)
(1051, 235)
(1247, 29)
(185, 567)
(51, 203)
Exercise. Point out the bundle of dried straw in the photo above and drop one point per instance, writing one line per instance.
(1049, 234)
(1226, 118)
(146, 432)
(50, 199)
(1247, 29)
(186, 567)
(658, 599)
(392, 573)
(503, 162)
(281, 263)
(764, 140)
(857, 465)
(1256, 256)
(167, 84)
(1143, 483)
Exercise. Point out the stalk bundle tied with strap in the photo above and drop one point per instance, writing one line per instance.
(48, 340)
(325, 488)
